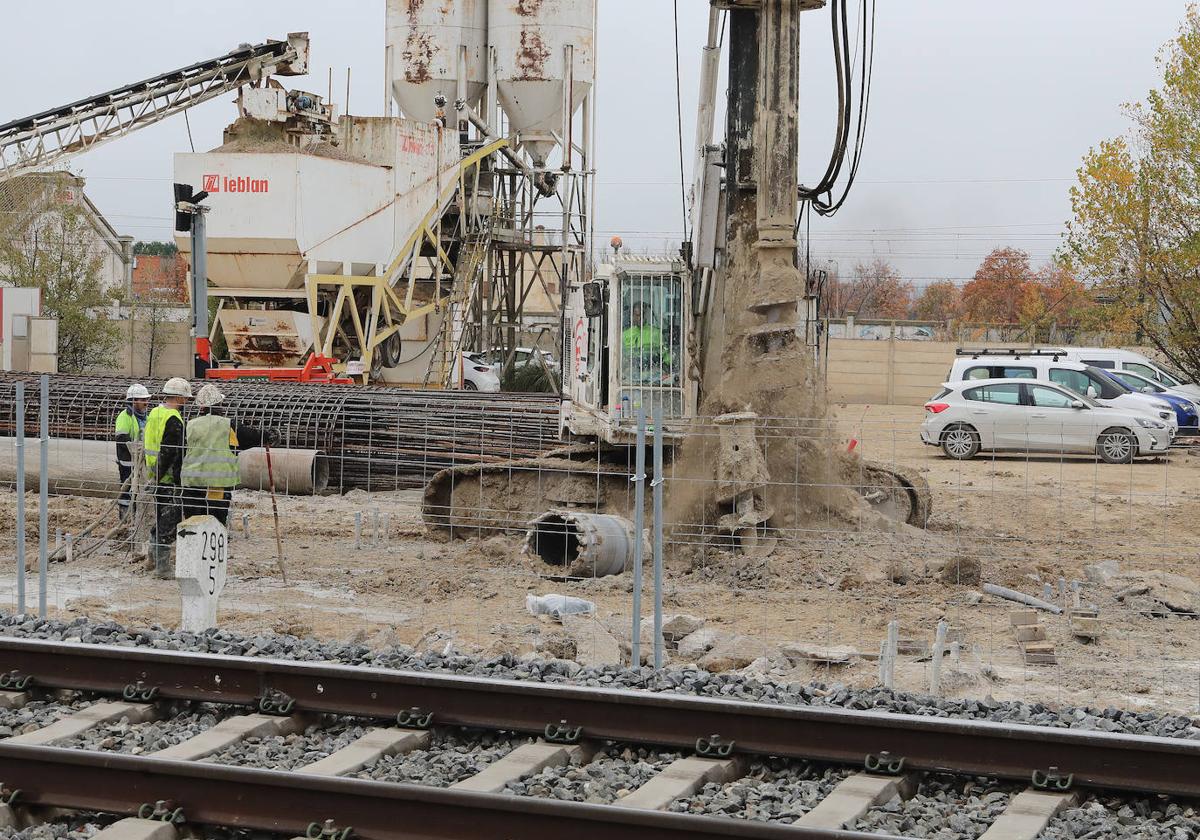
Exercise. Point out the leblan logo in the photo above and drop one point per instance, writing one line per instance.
(239, 184)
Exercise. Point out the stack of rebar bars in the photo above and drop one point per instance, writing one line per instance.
(375, 438)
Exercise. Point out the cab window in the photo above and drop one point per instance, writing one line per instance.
(1004, 394)
(999, 372)
(1044, 397)
(1104, 364)
(1076, 380)
(1151, 373)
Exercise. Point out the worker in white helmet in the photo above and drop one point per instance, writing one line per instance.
(210, 463)
(129, 427)
(164, 442)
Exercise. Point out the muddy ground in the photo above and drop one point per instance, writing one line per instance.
(1022, 522)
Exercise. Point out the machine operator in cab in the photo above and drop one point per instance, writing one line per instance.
(646, 358)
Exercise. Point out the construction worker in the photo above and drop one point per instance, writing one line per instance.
(210, 464)
(130, 423)
(646, 359)
(164, 443)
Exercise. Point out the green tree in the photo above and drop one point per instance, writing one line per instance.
(156, 249)
(1136, 210)
(55, 252)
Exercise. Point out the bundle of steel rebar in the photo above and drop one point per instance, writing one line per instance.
(375, 438)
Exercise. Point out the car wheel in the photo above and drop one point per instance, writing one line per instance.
(960, 442)
(468, 385)
(1117, 446)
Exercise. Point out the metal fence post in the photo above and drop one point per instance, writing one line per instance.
(43, 497)
(935, 666)
(20, 498)
(639, 522)
(658, 535)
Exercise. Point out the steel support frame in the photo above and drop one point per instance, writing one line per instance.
(393, 295)
(1095, 759)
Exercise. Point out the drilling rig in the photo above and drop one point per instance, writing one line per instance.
(726, 329)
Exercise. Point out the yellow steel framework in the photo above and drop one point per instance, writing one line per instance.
(389, 306)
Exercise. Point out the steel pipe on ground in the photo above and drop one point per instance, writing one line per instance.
(297, 472)
(582, 544)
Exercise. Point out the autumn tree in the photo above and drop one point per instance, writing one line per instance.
(998, 289)
(1136, 209)
(940, 301)
(875, 290)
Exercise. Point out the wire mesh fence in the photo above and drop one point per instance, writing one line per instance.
(792, 548)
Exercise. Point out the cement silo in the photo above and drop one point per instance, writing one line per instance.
(542, 46)
(432, 45)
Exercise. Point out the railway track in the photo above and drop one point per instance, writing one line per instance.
(336, 747)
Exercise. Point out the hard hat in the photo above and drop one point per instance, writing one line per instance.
(209, 396)
(178, 387)
(137, 391)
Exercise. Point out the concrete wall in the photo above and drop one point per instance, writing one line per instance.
(175, 359)
(889, 372)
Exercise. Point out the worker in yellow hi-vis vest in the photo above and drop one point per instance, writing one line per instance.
(164, 444)
(129, 425)
(210, 464)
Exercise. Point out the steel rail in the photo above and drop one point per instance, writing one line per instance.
(1095, 759)
(287, 803)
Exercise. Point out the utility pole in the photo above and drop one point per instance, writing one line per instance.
(190, 218)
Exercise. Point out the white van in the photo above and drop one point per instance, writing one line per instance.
(1108, 358)
(1053, 365)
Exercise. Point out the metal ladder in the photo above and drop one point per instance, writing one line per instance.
(454, 331)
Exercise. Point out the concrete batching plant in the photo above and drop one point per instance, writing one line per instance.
(391, 244)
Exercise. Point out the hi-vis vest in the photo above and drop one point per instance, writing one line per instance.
(127, 424)
(209, 460)
(156, 424)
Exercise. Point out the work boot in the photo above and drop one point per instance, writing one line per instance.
(162, 562)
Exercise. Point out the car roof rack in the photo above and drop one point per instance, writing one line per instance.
(1009, 352)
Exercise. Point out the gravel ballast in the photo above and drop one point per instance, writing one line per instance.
(771, 791)
(691, 680)
(452, 756)
(74, 827)
(612, 773)
(36, 714)
(289, 752)
(151, 736)
(1110, 818)
(943, 808)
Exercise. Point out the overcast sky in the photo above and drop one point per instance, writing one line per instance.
(979, 116)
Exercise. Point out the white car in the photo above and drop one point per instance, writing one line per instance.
(1035, 415)
(521, 356)
(1052, 366)
(474, 374)
(1113, 359)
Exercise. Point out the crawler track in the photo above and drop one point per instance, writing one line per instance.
(288, 802)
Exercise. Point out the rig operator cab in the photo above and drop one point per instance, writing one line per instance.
(627, 348)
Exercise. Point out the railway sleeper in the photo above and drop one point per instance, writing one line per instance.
(854, 796)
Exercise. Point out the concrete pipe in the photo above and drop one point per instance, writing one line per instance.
(582, 544)
(298, 472)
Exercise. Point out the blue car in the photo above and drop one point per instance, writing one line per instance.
(1185, 409)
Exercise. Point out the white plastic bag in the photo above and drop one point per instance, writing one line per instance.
(558, 605)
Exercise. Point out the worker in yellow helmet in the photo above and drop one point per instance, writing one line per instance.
(129, 425)
(210, 463)
(164, 442)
